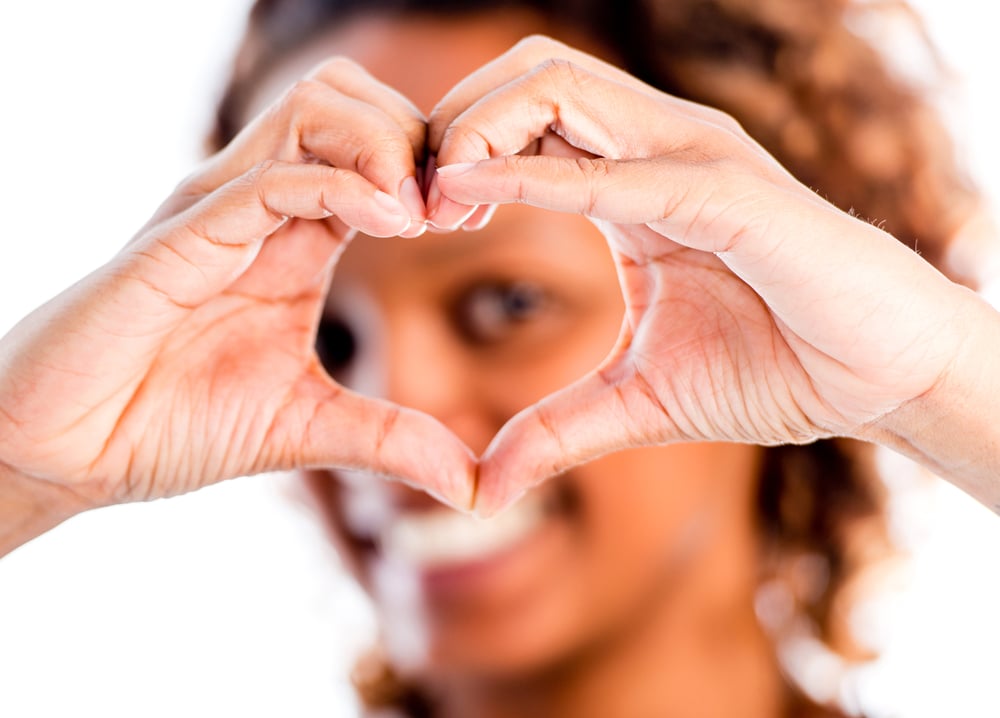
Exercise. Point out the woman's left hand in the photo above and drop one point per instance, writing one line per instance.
(756, 311)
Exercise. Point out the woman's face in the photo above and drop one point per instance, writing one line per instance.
(471, 328)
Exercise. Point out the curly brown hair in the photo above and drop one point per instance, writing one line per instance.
(828, 105)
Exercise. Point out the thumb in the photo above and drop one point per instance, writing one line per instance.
(608, 410)
(625, 193)
(333, 427)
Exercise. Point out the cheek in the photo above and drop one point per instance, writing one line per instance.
(575, 346)
(638, 511)
(630, 523)
(652, 518)
(646, 496)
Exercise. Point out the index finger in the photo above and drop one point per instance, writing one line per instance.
(542, 86)
(524, 57)
(351, 79)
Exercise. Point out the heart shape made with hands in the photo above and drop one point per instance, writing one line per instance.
(748, 315)
(593, 416)
(755, 311)
(613, 406)
(498, 480)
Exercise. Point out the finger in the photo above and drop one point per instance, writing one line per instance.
(447, 214)
(590, 112)
(315, 123)
(521, 59)
(606, 411)
(351, 79)
(200, 252)
(591, 115)
(799, 254)
(710, 204)
(480, 218)
(596, 109)
(331, 427)
(444, 214)
(629, 193)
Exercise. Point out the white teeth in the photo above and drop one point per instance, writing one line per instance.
(442, 536)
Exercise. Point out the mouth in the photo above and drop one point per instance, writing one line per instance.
(440, 543)
(442, 538)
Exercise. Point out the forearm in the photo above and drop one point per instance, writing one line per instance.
(954, 429)
(29, 508)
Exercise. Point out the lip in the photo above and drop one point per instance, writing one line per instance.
(436, 535)
(492, 576)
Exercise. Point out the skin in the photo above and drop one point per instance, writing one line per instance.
(581, 583)
(733, 256)
(754, 312)
(582, 613)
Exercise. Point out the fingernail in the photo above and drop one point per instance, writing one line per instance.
(412, 199)
(474, 224)
(455, 170)
(450, 215)
(390, 204)
(443, 213)
(415, 229)
(433, 196)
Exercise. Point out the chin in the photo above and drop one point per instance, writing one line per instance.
(505, 650)
(457, 594)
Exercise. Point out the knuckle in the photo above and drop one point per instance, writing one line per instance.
(336, 66)
(415, 129)
(537, 46)
(554, 65)
(559, 72)
(725, 120)
(193, 186)
(293, 110)
(439, 114)
(592, 171)
(521, 189)
(380, 155)
(256, 178)
(543, 55)
(257, 172)
(466, 143)
(598, 167)
(298, 97)
(439, 124)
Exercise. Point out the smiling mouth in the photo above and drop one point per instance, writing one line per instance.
(442, 538)
(435, 541)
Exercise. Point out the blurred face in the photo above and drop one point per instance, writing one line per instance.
(471, 328)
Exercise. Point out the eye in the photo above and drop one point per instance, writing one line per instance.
(335, 344)
(489, 312)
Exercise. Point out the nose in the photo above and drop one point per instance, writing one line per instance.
(426, 367)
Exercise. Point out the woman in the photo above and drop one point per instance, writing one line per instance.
(736, 330)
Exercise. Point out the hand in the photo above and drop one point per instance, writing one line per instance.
(756, 311)
(189, 358)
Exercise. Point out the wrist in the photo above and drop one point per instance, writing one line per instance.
(953, 429)
(29, 507)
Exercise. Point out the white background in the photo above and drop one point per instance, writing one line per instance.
(226, 602)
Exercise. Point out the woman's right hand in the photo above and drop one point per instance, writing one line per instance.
(189, 358)
(756, 311)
